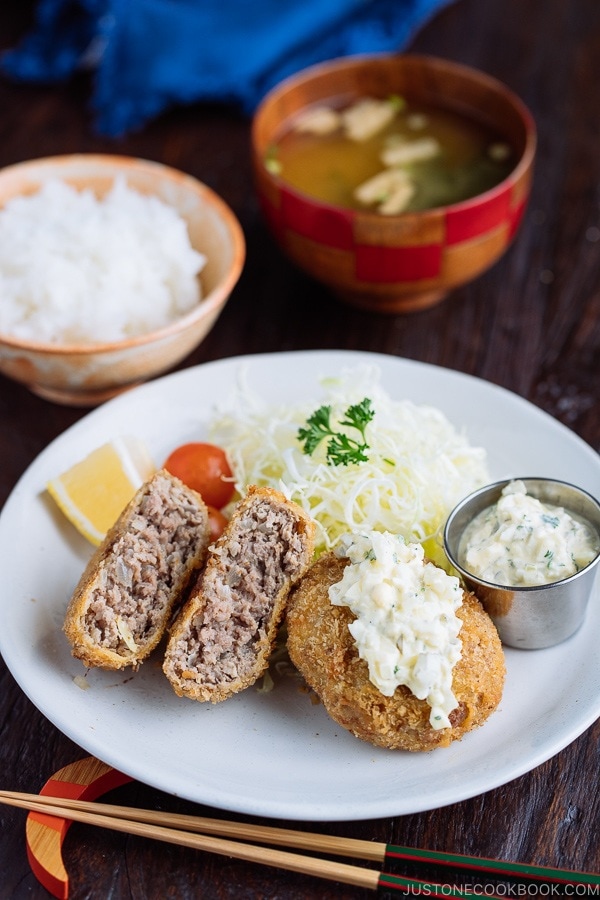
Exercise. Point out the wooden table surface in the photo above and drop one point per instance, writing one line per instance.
(531, 324)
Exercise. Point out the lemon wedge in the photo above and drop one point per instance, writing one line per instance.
(94, 492)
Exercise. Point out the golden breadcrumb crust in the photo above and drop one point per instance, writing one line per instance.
(323, 650)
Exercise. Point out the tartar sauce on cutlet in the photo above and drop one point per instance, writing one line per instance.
(406, 628)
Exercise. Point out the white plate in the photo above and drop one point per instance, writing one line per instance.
(276, 754)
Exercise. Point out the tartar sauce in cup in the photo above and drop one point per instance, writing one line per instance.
(520, 540)
(529, 548)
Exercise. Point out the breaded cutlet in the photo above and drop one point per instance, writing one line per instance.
(323, 650)
(222, 639)
(138, 575)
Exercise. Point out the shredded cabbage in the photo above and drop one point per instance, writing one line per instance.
(419, 466)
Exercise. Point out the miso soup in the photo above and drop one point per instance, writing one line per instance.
(389, 156)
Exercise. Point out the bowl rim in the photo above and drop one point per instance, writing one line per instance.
(524, 162)
(208, 303)
(494, 488)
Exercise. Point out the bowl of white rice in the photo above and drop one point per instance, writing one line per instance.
(112, 271)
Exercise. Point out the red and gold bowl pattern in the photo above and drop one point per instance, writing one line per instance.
(409, 261)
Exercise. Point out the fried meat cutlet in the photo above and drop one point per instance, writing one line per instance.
(323, 650)
(138, 575)
(222, 639)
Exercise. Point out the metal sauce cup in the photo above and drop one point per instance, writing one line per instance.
(530, 617)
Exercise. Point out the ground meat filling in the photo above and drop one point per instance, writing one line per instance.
(135, 581)
(265, 552)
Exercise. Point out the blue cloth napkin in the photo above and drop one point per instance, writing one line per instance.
(148, 55)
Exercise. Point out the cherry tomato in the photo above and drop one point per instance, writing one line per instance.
(203, 468)
(216, 521)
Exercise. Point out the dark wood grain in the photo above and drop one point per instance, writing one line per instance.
(531, 324)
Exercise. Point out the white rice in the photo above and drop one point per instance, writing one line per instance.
(74, 268)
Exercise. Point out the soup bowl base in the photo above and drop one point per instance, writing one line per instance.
(391, 304)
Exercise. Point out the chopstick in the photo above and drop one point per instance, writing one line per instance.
(291, 862)
(197, 832)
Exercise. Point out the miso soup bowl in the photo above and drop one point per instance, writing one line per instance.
(86, 374)
(398, 263)
(529, 617)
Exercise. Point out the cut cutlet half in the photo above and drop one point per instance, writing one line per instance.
(223, 637)
(138, 575)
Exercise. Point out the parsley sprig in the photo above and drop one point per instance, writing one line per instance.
(342, 449)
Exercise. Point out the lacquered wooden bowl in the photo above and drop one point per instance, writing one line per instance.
(85, 374)
(409, 261)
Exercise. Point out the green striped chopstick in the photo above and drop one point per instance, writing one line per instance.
(195, 832)
(496, 867)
